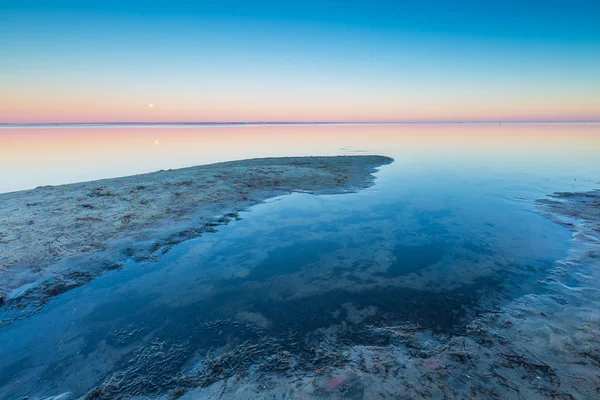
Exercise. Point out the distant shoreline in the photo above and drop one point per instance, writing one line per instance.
(232, 124)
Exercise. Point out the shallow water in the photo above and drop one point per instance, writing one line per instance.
(520, 155)
(449, 231)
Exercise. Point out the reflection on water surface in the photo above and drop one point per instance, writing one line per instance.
(305, 286)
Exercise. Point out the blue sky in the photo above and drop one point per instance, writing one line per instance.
(234, 60)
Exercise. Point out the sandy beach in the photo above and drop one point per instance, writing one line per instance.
(55, 238)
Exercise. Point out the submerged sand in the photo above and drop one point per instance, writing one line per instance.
(54, 238)
(542, 345)
(538, 345)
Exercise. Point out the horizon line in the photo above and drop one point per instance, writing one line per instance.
(261, 123)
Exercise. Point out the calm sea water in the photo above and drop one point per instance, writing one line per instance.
(449, 230)
(517, 154)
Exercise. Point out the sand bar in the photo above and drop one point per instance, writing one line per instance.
(54, 238)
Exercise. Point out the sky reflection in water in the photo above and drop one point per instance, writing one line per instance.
(31, 157)
(447, 231)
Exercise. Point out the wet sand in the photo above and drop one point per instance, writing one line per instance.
(55, 238)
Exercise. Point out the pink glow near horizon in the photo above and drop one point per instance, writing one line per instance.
(31, 157)
(48, 108)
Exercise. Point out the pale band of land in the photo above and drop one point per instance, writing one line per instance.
(54, 238)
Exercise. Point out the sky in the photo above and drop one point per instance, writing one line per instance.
(311, 60)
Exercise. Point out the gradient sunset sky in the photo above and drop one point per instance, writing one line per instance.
(312, 60)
